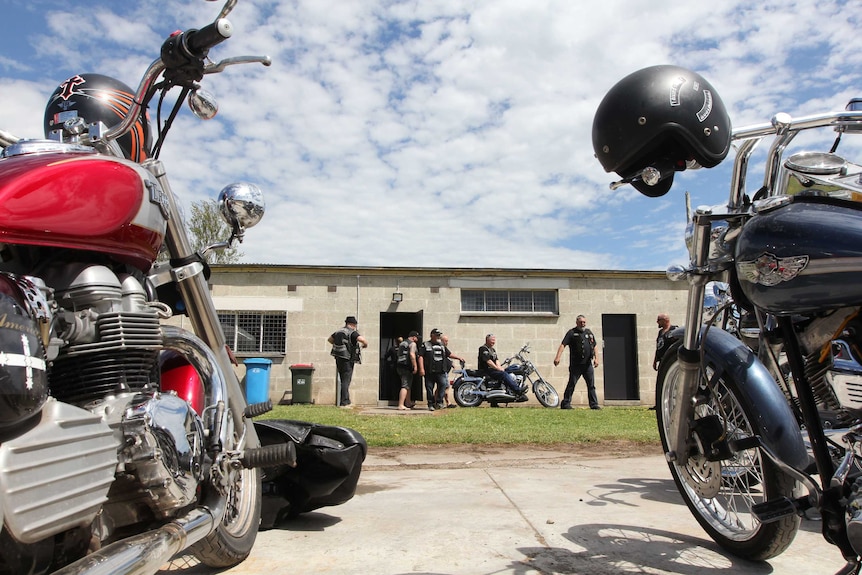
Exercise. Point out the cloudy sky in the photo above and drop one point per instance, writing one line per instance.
(450, 133)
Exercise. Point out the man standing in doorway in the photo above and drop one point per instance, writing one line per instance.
(582, 360)
(407, 365)
(344, 343)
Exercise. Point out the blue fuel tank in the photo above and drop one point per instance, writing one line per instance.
(802, 257)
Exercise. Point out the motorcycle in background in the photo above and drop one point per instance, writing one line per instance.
(471, 388)
(790, 251)
(125, 441)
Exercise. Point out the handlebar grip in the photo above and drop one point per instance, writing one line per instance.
(200, 41)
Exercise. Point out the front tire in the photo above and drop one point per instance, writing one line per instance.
(466, 393)
(231, 542)
(720, 494)
(545, 393)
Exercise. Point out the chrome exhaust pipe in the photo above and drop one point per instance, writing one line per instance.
(146, 553)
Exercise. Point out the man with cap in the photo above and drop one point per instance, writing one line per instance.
(407, 365)
(432, 364)
(344, 343)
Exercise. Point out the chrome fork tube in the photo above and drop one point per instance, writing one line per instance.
(689, 354)
(188, 276)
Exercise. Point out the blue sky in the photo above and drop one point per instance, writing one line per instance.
(440, 132)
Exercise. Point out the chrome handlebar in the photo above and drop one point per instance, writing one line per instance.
(7, 139)
(784, 128)
(150, 76)
(200, 41)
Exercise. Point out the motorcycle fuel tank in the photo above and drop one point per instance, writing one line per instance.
(81, 200)
(803, 256)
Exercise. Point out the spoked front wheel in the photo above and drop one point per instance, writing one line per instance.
(720, 494)
(545, 393)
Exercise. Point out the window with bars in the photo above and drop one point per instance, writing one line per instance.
(509, 301)
(254, 332)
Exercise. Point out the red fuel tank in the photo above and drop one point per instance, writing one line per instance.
(82, 201)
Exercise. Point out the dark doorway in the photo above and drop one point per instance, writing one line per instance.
(392, 326)
(620, 357)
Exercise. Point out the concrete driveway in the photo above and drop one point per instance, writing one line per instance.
(511, 511)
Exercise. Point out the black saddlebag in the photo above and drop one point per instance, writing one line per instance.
(328, 463)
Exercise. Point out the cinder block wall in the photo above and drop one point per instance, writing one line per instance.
(318, 299)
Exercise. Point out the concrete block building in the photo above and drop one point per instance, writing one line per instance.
(285, 314)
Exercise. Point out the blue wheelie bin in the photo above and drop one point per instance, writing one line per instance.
(257, 379)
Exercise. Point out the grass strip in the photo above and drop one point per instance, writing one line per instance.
(483, 425)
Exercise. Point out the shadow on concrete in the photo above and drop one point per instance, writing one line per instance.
(617, 549)
(658, 490)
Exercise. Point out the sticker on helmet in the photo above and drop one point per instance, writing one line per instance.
(675, 89)
(706, 109)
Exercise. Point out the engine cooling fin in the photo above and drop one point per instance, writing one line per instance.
(81, 379)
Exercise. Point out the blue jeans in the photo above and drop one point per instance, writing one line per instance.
(507, 379)
(442, 380)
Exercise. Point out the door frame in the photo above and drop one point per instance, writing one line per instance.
(392, 326)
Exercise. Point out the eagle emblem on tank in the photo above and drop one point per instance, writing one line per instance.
(770, 270)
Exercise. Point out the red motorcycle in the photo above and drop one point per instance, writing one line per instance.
(124, 441)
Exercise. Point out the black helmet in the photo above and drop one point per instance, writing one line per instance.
(98, 98)
(664, 117)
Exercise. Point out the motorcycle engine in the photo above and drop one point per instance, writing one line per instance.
(102, 344)
(105, 337)
(161, 461)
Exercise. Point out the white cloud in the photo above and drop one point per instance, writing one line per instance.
(451, 133)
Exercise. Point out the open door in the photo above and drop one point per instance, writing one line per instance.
(392, 326)
(620, 353)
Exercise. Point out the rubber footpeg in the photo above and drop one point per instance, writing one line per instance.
(256, 409)
(774, 509)
(270, 456)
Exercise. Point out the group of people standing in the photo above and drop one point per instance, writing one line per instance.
(432, 359)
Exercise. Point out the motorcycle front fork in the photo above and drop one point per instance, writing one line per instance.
(187, 274)
(689, 352)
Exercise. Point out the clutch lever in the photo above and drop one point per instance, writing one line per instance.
(220, 66)
(227, 8)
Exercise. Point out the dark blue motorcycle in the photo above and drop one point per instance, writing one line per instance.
(790, 251)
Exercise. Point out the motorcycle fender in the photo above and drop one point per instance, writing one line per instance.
(773, 418)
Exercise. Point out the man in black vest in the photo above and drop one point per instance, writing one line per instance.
(344, 342)
(432, 364)
(664, 339)
(407, 365)
(582, 360)
(490, 366)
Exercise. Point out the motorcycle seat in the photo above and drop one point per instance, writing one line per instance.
(474, 373)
